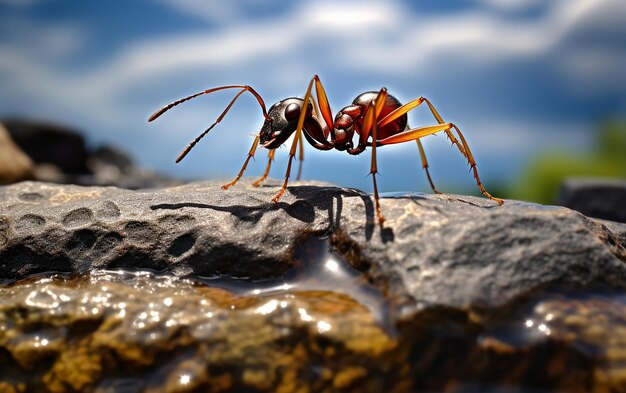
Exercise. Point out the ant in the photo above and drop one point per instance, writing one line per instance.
(378, 119)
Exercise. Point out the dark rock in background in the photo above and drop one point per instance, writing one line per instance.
(49, 143)
(600, 198)
(113, 167)
(15, 165)
(61, 156)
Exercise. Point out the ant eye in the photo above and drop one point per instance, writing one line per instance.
(292, 111)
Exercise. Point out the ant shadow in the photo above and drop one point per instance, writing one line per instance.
(309, 199)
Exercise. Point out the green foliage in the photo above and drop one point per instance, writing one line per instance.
(545, 174)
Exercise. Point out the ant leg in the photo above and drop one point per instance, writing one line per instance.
(369, 122)
(292, 154)
(413, 134)
(323, 105)
(245, 164)
(448, 133)
(409, 106)
(472, 163)
(374, 170)
(301, 159)
(297, 139)
(317, 137)
(425, 165)
(270, 155)
(464, 149)
(429, 130)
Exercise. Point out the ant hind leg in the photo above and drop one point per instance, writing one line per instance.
(425, 165)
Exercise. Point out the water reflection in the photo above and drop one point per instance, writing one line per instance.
(126, 322)
(542, 327)
(316, 268)
(184, 379)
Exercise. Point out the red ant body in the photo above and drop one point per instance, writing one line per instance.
(376, 117)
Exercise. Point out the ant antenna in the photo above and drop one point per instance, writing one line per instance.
(243, 88)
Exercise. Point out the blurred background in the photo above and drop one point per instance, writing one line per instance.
(538, 88)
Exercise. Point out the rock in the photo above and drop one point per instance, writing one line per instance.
(14, 164)
(111, 157)
(61, 156)
(49, 143)
(600, 198)
(148, 333)
(465, 295)
(114, 167)
(434, 249)
(618, 229)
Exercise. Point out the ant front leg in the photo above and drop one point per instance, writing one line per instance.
(326, 115)
(369, 125)
(292, 154)
(245, 164)
(270, 156)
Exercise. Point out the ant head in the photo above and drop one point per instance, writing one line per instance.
(283, 121)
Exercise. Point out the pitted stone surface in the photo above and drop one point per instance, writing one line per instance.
(434, 249)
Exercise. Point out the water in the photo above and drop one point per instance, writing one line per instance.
(139, 330)
(320, 327)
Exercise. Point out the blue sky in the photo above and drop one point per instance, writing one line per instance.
(516, 76)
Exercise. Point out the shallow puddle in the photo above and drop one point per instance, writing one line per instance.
(319, 327)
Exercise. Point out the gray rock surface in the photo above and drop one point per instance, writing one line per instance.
(434, 249)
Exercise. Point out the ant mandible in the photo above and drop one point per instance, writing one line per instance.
(378, 119)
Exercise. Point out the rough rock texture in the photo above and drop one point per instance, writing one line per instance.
(434, 249)
(467, 296)
(14, 164)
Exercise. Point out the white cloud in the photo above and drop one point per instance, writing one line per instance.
(42, 42)
(346, 36)
(385, 38)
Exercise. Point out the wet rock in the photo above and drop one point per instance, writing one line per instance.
(14, 164)
(600, 198)
(141, 332)
(470, 296)
(434, 249)
(122, 331)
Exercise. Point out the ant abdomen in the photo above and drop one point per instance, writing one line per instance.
(391, 104)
